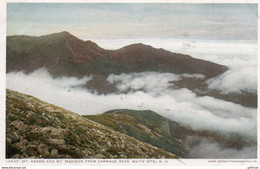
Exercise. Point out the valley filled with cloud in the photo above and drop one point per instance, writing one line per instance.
(155, 91)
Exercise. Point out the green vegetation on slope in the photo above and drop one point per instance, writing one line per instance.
(35, 129)
(145, 125)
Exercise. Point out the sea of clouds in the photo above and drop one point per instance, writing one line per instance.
(152, 90)
(207, 149)
(148, 90)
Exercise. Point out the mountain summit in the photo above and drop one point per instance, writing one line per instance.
(65, 55)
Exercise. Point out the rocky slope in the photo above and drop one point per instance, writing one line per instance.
(35, 129)
(65, 55)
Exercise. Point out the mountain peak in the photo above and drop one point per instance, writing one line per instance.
(63, 34)
(136, 46)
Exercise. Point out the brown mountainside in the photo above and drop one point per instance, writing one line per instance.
(65, 55)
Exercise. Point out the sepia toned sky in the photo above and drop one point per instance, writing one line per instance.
(135, 20)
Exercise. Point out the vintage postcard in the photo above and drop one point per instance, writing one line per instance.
(87, 83)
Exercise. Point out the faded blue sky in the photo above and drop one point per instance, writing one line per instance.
(110, 20)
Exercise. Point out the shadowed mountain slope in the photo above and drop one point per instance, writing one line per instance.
(65, 55)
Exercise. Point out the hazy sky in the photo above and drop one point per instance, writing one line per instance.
(93, 20)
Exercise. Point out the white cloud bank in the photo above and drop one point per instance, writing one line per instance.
(209, 149)
(148, 81)
(180, 105)
(236, 80)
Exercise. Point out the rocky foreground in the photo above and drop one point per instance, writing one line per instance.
(35, 129)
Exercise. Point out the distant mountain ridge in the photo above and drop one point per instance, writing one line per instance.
(65, 55)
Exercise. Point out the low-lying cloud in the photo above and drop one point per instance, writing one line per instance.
(214, 150)
(180, 105)
(41, 79)
(236, 80)
(151, 82)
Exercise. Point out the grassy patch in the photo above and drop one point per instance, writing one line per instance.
(106, 120)
(145, 125)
